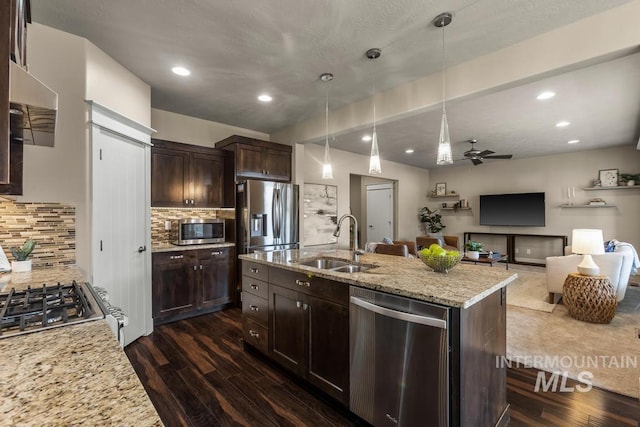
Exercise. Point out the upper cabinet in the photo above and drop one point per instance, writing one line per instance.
(257, 159)
(185, 175)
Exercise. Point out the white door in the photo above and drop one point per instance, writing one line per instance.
(120, 226)
(379, 212)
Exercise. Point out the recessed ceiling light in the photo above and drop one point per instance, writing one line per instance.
(573, 141)
(563, 124)
(181, 71)
(265, 98)
(366, 138)
(545, 95)
(409, 150)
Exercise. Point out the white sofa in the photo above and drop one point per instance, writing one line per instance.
(615, 265)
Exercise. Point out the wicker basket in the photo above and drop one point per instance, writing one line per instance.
(589, 298)
(439, 263)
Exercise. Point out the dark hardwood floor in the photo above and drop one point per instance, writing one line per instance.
(197, 374)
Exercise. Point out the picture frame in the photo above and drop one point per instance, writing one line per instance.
(320, 214)
(608, 177)
(441, 189)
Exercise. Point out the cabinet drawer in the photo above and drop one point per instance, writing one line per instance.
(255, 307)
(316, 286)
(160, 258)
(217, 253)
(255, 287)
(255, 270)
(255, 335)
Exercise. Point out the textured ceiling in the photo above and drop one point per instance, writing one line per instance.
(239, 49)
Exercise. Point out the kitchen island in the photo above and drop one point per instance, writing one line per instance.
(303, 311)
(70, 375)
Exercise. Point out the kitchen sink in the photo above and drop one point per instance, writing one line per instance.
(324, 263)
(337, 265)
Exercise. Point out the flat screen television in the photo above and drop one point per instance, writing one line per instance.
(521, 209)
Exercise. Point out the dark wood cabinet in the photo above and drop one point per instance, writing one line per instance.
(188, 175)
(191, 282)
(257, 159)
(287, 328)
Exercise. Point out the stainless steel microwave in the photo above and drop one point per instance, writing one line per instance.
(195, 231)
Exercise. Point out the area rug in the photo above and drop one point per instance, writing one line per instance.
(530, 291)
(607, 355)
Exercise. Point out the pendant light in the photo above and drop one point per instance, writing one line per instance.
(445, 156)
(327, 170)
(374, 160)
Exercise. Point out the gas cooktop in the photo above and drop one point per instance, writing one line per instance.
(49, 306)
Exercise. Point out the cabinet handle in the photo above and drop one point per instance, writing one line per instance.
(298, 304)
(186, 201)
(254, 308)
(268, 172)
(253, 334)
(254, 270)
(201, 267)
(216, 253)
(176, 257)
(305, 306)
(193, 202)
(303, 283)
(254, 287)
(195, 267)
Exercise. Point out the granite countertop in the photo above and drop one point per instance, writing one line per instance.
(70, 375)
(462, 287)
(170, 247)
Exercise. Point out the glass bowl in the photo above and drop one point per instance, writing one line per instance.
(441, 263)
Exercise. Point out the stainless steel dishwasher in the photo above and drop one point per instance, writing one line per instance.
(399, 359)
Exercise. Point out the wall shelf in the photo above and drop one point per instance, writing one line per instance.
(446, 196)
(619, 187)
(454, 209)
(587, 206)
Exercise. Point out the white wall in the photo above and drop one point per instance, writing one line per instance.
(191, 130)
(551, 174)
(413, 184)
(76, 70)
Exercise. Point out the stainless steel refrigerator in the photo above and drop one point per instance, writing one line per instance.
(267, 216)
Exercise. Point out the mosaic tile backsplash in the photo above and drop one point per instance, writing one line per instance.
(51, 225)
(160, 215)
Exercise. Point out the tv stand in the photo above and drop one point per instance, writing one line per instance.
(511, 243)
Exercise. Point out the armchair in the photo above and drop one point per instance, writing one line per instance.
(615, 265)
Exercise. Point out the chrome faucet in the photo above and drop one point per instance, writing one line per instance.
(356, 252)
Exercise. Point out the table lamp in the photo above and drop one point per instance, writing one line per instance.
(587, 242)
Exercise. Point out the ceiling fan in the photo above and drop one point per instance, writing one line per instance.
(476, 156)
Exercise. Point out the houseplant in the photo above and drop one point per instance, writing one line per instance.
(21, 254)
(473, 249)
(630, 178)
(432, 220)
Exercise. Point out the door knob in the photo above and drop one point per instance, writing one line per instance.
(142, 248)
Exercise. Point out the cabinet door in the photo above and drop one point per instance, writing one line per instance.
(207, 183)
(173, 286)
(286, 327)
(216, 266)
(277, 164)
(327, 339)
(249, 162)
(169, 177)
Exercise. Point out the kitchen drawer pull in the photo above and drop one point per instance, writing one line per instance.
(253, 334)
(305, 306)
(254, 287)
(254, 270)
(176, 257)
(303, 283)
(254, 308)
(216, 253)
(298, 304)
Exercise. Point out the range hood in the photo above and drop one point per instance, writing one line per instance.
(33, 108)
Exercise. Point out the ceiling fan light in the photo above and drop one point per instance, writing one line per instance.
(445, 156)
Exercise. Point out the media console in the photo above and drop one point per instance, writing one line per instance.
(556, 243)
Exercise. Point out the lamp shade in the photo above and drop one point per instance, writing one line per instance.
(587, 241)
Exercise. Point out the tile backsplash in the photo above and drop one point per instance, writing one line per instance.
(51, 225)
(160, 215)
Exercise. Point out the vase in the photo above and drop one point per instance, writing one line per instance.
(631, 182)
(472, 254)
(21, 266)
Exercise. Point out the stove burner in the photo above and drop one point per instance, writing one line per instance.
(48, 306)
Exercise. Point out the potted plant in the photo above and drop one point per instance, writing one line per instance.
(630, 178)
(431, 219)
(473, 249)
(21, 254)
